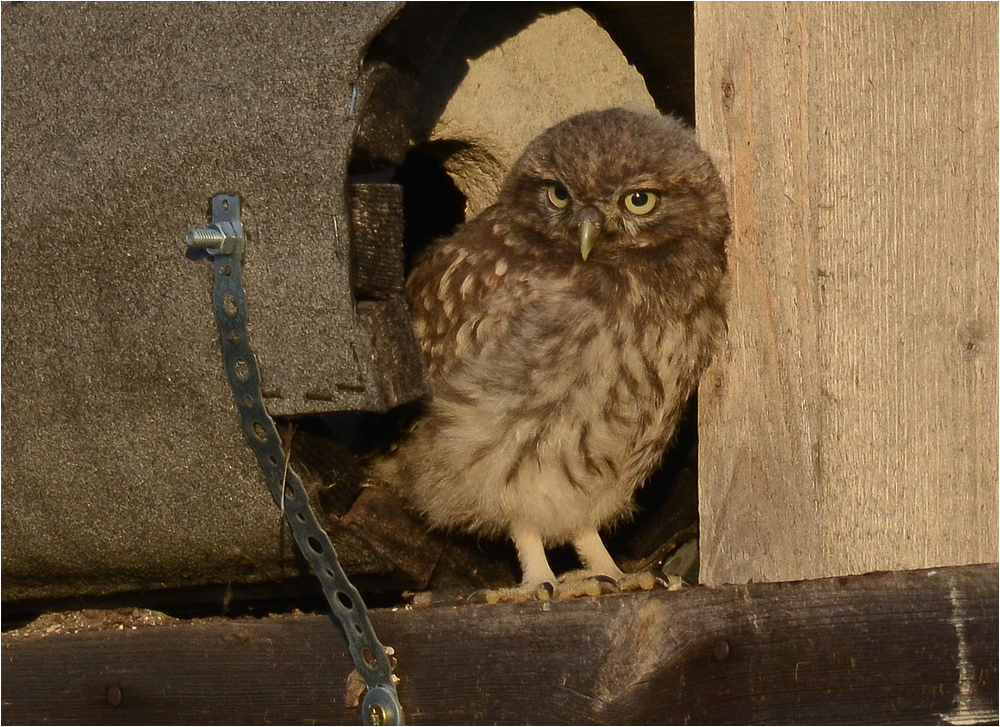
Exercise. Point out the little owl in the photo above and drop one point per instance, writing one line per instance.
(564, 328)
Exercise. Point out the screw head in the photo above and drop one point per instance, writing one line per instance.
(114, 695)
(721, 650)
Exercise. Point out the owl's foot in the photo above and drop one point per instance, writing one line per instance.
(572, 585)
(518, 594)
(587, 583)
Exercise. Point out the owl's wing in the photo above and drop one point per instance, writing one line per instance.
(460, 294)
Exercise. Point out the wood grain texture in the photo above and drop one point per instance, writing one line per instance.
(891, 648)
(852, 423)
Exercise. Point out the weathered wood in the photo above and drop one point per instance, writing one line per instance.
(387, 99)
(852, 424)
(377, 279)
(376, 240)
(394, 344)
(916, 647)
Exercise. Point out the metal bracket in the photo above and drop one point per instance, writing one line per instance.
(223, 240)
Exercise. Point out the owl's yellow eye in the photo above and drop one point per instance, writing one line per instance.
(558, 195)
(640, 202)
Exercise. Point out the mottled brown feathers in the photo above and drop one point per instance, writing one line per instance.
(558, 381)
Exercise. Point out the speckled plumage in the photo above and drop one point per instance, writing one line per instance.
(557, 381)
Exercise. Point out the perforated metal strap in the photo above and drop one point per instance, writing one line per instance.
(223, 241)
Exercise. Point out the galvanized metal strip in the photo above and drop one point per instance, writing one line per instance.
(223, 240)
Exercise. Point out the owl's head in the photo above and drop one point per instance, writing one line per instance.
(604, 184)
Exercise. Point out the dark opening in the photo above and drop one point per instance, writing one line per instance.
(433, 206)
(658, 39)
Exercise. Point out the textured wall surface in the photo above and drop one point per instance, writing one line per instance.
(123, 463)
(852, 425)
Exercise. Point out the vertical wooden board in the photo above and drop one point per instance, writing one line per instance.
(852, 423)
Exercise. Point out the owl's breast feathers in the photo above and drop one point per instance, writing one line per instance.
(556, 382)
(451, 295)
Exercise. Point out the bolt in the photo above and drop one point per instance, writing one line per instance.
(380, 707)
(217, 237)
(206, 237)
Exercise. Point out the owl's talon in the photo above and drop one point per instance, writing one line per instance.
(545, 591)
(670, 581)
(675, 583)
(608, 580)
(480, 596)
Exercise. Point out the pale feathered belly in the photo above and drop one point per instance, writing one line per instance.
(562, 454)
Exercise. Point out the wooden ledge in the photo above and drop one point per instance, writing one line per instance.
(916, 647)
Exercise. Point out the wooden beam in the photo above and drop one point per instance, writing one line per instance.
(915, 647)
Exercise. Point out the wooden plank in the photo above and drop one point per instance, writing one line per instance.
(852, 424)
(915, 647)
(376, 240)
(388, 101)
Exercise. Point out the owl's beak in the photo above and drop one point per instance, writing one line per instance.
(590, 229)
